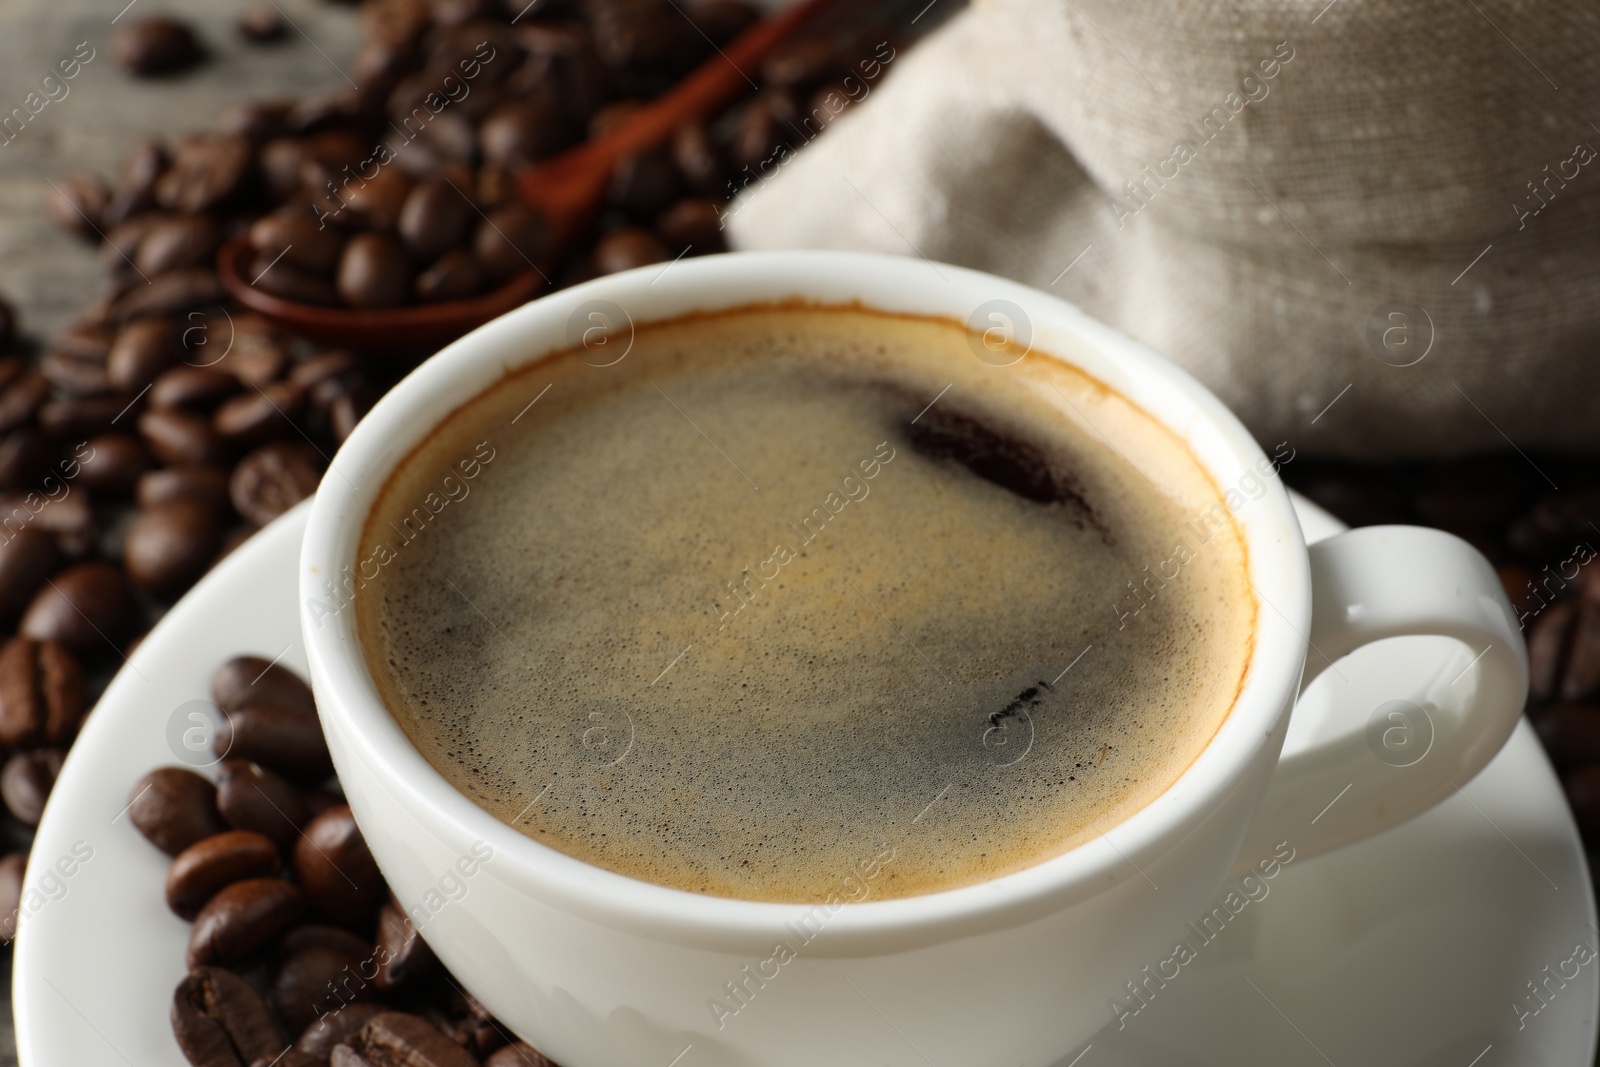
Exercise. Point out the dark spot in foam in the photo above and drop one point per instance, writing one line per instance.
(1028, 698)
(1014, 465)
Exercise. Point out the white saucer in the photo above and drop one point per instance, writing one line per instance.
(1408, 949)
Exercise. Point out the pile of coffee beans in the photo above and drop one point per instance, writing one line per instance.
(156, 45)
(167, 424)
(298, 953)
(403, 192)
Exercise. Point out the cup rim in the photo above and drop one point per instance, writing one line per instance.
(348, 701)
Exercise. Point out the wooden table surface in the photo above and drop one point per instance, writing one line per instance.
(48, 274)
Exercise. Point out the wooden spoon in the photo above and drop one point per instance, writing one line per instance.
(567, 189)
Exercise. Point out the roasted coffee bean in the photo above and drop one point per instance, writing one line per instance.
(260, 414)
(8, 323)
(207, 171)
(113, 464)
(12, 866)
(454, 276)
(246, 681)
(242, 920)
(468, 1023)
(121, 245)
(85, 416)
(451, 136)
(75, 375)
(334, 867)
(166, 294)
(143, 349)
(397, 1038)
(257, 356)
(376, 202)
(178, 241)
(26, 560)
(296, 236)
(155, 45)
(511, 240)
(496, 186)
(382, 61)
(135, 189)
(250, 797)
(21, 397)
(322, 935)
(195, 388)
(280, 279)
(77, 204)
(321, 111)
(760, 134)
(280, 161)
(403, 958)
(204, 485)
(696, 224)
(221, 1021)
(41, 693)
(66, 517)
(315, 980)
(255, 120)
(374, 272)
(86, 607)
(287, 740)
(27, 455)
(433, 218)
(174, 807)
(87, 340)
(337, 1027)
(698, 160)
(176, 436)
(260, 22)
(25, 783)
(273, 479)
(1548, 640)
(1581, 678)
(522, 132)
(170, 545)
(644, 185)
(518, 1054)
(200, 871)
(289, 1058)
(628, 248)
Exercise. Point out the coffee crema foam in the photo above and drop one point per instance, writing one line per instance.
(742, 611)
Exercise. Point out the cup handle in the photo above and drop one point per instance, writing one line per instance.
(1409, 753)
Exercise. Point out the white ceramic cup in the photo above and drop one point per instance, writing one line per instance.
(600, 970)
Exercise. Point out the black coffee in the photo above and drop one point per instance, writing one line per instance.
(797, 603)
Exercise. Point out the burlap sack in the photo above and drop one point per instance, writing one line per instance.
(1369, 227)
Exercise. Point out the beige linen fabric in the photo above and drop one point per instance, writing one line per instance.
(1390, 208)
